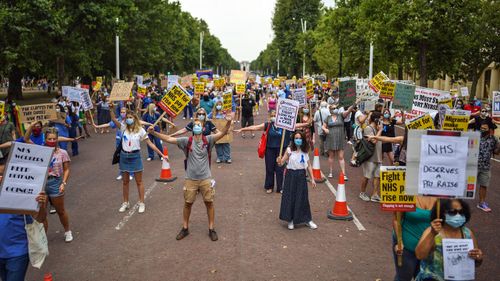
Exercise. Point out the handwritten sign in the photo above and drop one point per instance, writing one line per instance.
(361, 86)
(347, 92)
(496, 104)
(377, 81)
(387, 91)
(72, 93)
(221, 123)
(146, 79)
(240, 88)
(423, 122)
(24, 178)
(426, 100)
(172, 80)
(300, 96)
(227, 101)
(86, 101)
(121, 91)
(456, 261)
(38, 112)
(174, 101)
(456, 120)
(403, 96)
(392, 190)
(238, 76)
(286, 114)
(199, 88)
(464, 91)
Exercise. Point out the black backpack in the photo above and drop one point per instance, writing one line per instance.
(364, 150)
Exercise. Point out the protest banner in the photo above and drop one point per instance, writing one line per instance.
(426, 100)
(377, 81)
(238, 76)
(2, 109)
(240, 88)
(300, 96)
(387, 91)
(121, 91)
(147, 79)
(457, 264)
(464, 91)
(403, 96)
(186, 81)
(423, 122)
(72, 93)
(172, 80)
(456, 120)
(24, 177)
(347, 92)
(221, 123)
(442, 163)
(174, 101)
(206, 74)
(199, 88)
(392, 190)
(86, 101)
(495, 104)
(361, 86)
(227, 101)
(38, 112)
(309, 89)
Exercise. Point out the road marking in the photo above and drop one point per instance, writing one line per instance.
(132, 211)
(358, 224)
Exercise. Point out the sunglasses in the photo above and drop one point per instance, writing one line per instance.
(484, 111)
(454, 212)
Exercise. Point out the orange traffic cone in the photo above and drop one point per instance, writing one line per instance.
(316, 168)
(47, 277)
(339, 210)
(166, 174)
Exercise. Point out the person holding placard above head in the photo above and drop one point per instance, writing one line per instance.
(335, 137)
(488, 145)
(207, 126)
(223, 149)
(371, 167)
(295, 208)
(447, 222)
(247, 105)
(130, 156)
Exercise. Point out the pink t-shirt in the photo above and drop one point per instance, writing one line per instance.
(272, 104)
(59, 157)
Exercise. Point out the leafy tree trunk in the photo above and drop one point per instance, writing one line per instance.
(15, 90)
(60, 72)
(422, 63)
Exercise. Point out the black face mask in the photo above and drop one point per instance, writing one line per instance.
(485, 133)
(205, 98)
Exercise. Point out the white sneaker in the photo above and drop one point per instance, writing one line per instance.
(290, 225)
(364, 197)
(183, 118)
(149, 159)
(217, 161)
(161, 158)
(125, 206)
(142, 208)
(330, 175)
(68, 236)
(119, 178)
(130, 177)
(349, 142)
(312, 225)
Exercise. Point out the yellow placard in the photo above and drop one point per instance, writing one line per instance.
(141, 91)
(2, 109)
(309, 89)
(423, 122)
(276, 82)
(194, 80)
(456, 122)
(238, 76)
(199, 88)
(174, 101)
(376, 83)
(448, 102)
(240, 89)
(392, 190)
(387, 91)
(98, 79)
(227, 101)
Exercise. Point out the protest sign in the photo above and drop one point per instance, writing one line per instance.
(446, 100)
(97, 86)
(24, 177)
(171, 81)
(219, 82)
(38, 112)
(464, 91)
(392, 190)
(240, 88)
(276, 83)
(194, 79)
(289, 82)
(300, 96)
(221, 123)
(199, 88)
(139, 79)
(426, 100)
(496, 104)
(206, 74)
(309, 89)
(164, 83)
(367, 105)
(403, 96)
(347, 92)
(361, 86)
(186, 81)
(121, 91)
(423, 122)
(86, 101)
(72, 93)
(387, 91)
(286, 114)
(325, 85)
(377, 81)
(238, 76)
(174, 101)
(456, 120)
(456, 261)
(2, 109)
(141, 91)
(227, 101)
(147, 79)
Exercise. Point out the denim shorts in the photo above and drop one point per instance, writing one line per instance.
(52, 186)
(131, 162)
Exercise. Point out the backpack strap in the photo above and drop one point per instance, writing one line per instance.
(188, 149)
(207, 145)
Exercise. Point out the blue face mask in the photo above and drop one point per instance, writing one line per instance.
(201, 117)
(129, 121)
(387, 116)
(306, 111)
(455, 221)
(298, 142)
(197, 129)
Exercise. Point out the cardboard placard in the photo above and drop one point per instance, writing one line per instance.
(495, 104)
(376, 82)
(456, 120)
(240, 88)
(38, 112)
(403, 96)
(25, 177)
(219, 124)
(309, 89)
(392, 190)
(423, 122)
(286, 114)
(199, 88)
(347, 92)
(121, 91)
(238, 76)
(300, 96)
(174, 101)
(387, 91)
(187, 81)
(227, 101)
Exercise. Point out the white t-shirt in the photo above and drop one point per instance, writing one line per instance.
(132, 141)
(356, 116)
(348, 117)
(297, 160)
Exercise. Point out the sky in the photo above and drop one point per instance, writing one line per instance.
(243, 26)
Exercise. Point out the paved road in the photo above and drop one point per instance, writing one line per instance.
(253, 243)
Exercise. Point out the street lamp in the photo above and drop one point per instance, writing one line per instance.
(201, 48)
(303, 23)
(117, 43)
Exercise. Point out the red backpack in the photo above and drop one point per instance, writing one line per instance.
(189, 149)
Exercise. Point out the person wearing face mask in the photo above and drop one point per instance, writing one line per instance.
(130, 156)
(305, 117)
(488, 145)
(150, 117)
(295, 208)
(207, 125)
(459, 104)
(247, 105)
(206, 103)
(371, 167)
(197, 149)
(389, 130)
(484, 117)
(320, 117)
(62, 124)
(449, 223)
(335, 137)
(223, 149)
(103, 112)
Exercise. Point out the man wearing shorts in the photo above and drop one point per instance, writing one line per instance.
(371, 167)
(488, 146)
(198, 175)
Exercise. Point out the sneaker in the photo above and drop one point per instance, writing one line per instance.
(213, 235)
(253, 136)
(182, 234)
(269, 191)
(364, 197)
(484, 206)
(68, 236)
(243, 135)
(52, 210)
(142, 208)
(217, 161)
(149, 159)
(375, 198)
(161, 158)
(346, 178)
(349, 142)
(354, 163)
(183, 118)
(119, 178)
(125, 206)
(330, 175)
(290, 225)
(312, 225)
(229, 161)
(130, 177)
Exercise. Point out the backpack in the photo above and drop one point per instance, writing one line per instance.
(364, 150)
(189, 149)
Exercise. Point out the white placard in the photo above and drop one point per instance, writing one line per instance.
(496, 104)
(426, 100)
(286, 114)
(361, 86)
(464, 91)
(172, 80)
(443, 162)
(300, 96)
(86, 101)
(139, 79)
(456, 261)
(24, 176)
(73, 93)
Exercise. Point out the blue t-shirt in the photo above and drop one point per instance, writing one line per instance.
(40, 140)
(151, 119)
(274, 136)
(13, 237)
(113, 126)
(146, 101)
(207, 105)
